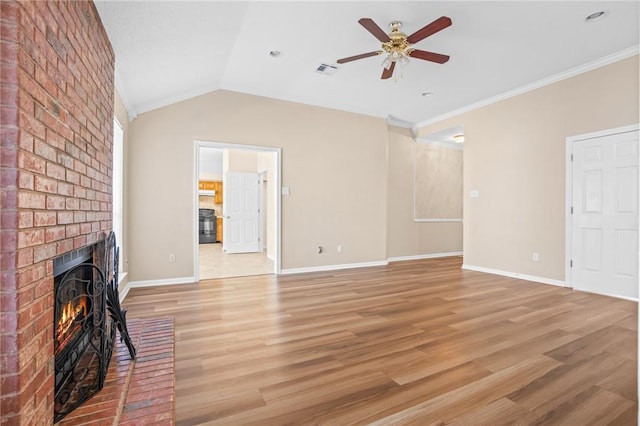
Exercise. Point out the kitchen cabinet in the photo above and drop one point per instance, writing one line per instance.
(206, 185)
(219, 229)
(212, 185)
(218, 189)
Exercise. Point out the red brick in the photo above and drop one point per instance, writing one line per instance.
(31, 125)
(8, 322)
(44, 150)
(64, 246)
(72, 177)
(25, 257)
(44, 218)
(26, 141)
(72, 203)
(80, 241)
(25, 219)
(55, 202)
(47, 185)
(30, 237)
(31, 163)
(44, 252)
(25, 180)
(65, 189)
(54, 234)
(31, 200)
(31, 275)
(72, 230)
(56, 171)
(44, 80)
(65, 217)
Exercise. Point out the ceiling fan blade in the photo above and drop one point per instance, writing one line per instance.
(388, 72)
(356, 57)
(439, 24)
(374, 29)
(429, 56)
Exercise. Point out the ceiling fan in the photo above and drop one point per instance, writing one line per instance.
(398, 45)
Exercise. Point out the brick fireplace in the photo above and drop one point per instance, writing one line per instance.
(56, 111)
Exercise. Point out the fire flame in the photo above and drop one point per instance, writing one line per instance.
(70, 312)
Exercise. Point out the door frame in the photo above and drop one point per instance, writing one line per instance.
(569, 191)
(278, 207)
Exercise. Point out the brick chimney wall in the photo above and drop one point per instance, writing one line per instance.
(56, 111)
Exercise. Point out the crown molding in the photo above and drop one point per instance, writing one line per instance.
(606, 60)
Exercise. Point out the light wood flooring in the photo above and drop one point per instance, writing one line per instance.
(418, 342)
(214, 263)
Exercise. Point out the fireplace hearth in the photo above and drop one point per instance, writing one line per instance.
(87, 314)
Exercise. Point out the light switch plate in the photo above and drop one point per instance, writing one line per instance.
(474, 193)
(285, 190)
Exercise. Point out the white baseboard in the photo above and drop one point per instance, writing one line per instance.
(325, 268)
(424, 256)
(517, 275)
(154, 283)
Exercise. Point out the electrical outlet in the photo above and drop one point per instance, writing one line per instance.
(339, 249)
(535, 257)
(172, 258)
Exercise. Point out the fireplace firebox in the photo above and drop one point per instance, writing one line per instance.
(87, 314)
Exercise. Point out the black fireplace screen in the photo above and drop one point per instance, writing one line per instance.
(87, 313)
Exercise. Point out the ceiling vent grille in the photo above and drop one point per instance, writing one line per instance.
(327, 69)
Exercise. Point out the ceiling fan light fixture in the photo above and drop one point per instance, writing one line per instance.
(386, 64)
(458, 138)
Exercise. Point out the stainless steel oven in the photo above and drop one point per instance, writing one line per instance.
(207, 226)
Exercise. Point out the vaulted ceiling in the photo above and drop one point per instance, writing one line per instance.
(167, 51)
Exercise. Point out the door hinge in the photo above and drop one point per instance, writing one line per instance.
(571, 209)
(571, 264)
(571, 157)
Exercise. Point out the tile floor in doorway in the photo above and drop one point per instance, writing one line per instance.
(214, 263)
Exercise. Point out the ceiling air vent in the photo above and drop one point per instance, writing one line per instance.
(327, 69)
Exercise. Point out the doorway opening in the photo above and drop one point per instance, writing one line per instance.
(236, 210)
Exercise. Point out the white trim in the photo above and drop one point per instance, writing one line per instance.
(437, 220)
(633, 299)
(162, 282)
(125, 288)
(514, 275)
(424, 256)
(609, 59)
(332, 267)
(398, 122)
(124, 292)
(568, 221)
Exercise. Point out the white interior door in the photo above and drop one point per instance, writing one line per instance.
(241, 224)
(605, 208)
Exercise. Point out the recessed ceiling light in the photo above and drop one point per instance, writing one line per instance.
(596, 16)
(274, 53)
(426, 94)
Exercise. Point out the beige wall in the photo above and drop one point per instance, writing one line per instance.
(329, 158)
(514, 156)
(123, 118)
(438, 181)
(243, 161)
(405, 236)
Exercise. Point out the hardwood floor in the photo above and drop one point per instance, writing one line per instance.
(419, 342)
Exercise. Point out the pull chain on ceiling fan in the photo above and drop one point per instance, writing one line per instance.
(397, 45)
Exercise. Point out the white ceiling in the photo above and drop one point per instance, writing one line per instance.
(170, 51)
